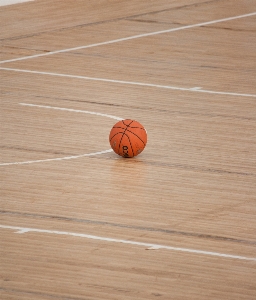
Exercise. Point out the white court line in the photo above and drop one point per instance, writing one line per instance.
(67, 157)
(147, 245)
(73, 110)
(193, 89)
(11, 2)
(55, 159)
(130, 38)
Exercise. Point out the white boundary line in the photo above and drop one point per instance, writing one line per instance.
(67, 157)
(194, 89)
(148, 246)
(11, 2)
(130, 38)
(55, 159)
(72, 110)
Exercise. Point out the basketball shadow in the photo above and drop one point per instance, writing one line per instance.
(129, 172)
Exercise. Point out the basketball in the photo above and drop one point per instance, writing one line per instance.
(128, 138)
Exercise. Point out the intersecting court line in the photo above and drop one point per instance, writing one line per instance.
(130, 38)
(193, 89)
(148, 246)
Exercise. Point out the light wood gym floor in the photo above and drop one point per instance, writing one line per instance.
(178, 221)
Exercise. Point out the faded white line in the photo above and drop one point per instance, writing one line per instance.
(22, 230)
(11, 2)
(67, 157)
(72, 110)
(130, 38)
(55, 159)
(193, 89)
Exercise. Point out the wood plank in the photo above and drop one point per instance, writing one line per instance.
(193, 187)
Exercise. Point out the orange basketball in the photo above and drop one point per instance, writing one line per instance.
(128, 138)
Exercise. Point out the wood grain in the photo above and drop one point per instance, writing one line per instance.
(193, 186)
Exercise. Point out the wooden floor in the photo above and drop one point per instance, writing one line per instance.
(178, 221)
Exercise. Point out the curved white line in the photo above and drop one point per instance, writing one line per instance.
(67, 157)
(73, 110)
(53, 159)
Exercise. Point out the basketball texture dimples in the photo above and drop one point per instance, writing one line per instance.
(128, 138)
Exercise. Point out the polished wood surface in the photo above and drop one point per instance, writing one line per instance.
(193, 187)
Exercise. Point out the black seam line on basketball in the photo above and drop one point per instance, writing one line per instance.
(124, 123)
(128, 124)
(137, 136)
(122, 136)
(137, 127)
(119, 127)
(118, 225)
(130, 143)
(115, 135)
(120, 144)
